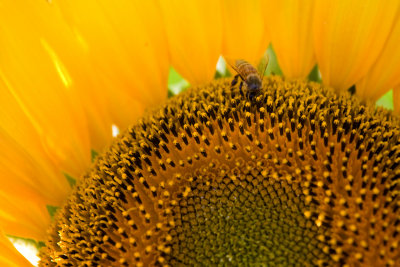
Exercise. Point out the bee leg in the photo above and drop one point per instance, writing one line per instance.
(240, 87)
(250, 95)
(234, 81)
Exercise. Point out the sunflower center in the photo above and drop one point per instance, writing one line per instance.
(244, 215)
(296, 176)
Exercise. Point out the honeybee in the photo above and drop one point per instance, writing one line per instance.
(249, 75)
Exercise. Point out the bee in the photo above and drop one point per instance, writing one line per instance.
(249, 76)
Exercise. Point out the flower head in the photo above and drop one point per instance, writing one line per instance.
(71, 70)
(299, 175)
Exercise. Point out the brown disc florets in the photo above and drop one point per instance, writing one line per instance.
(298, 176)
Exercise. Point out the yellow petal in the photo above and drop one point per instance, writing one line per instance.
(396, 99)
(385, 72)
(244, 36)
(9, 256)
(23, 210)
(61, 88)
(349, 36)
(289, 24)
(128, 53)
(41, 109)
(37, 149)
(194, 31)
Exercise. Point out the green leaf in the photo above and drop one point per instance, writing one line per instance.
(94, 154)
(222, 71)
(15, 239)
(315, 75)
(170, 93)
(41, 244)
(71, 180)
(174, 76)
(386, 100)
(176, 83)
(273, 65)
(52, 210)
(218, 75)
(352, 89)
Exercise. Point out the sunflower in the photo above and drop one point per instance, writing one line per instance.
(305, 173)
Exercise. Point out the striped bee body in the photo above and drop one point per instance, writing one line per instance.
(249, 76)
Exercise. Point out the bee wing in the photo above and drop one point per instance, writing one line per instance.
(262, 66)
(232, 62)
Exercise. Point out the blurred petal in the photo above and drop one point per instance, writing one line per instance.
(396, 99)
(9, 256)
(43, 128)
(24, 214)
(349, 36)
(385, 72)
(115, 65)
(42, 122)
(243, 21)
(194, 31)
(127, 50)
(289, 26)
(39, 101)
(29, 183)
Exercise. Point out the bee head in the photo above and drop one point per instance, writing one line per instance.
(253, 83)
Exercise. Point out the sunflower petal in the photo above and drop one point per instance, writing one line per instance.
(349, 36)
(9, 256)
(127, 51)
(39, 101)
(33, 158)
(23, 211)
(194, 31)
(289, 24)
(385, 72)
(243, 21)
(44, 130)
